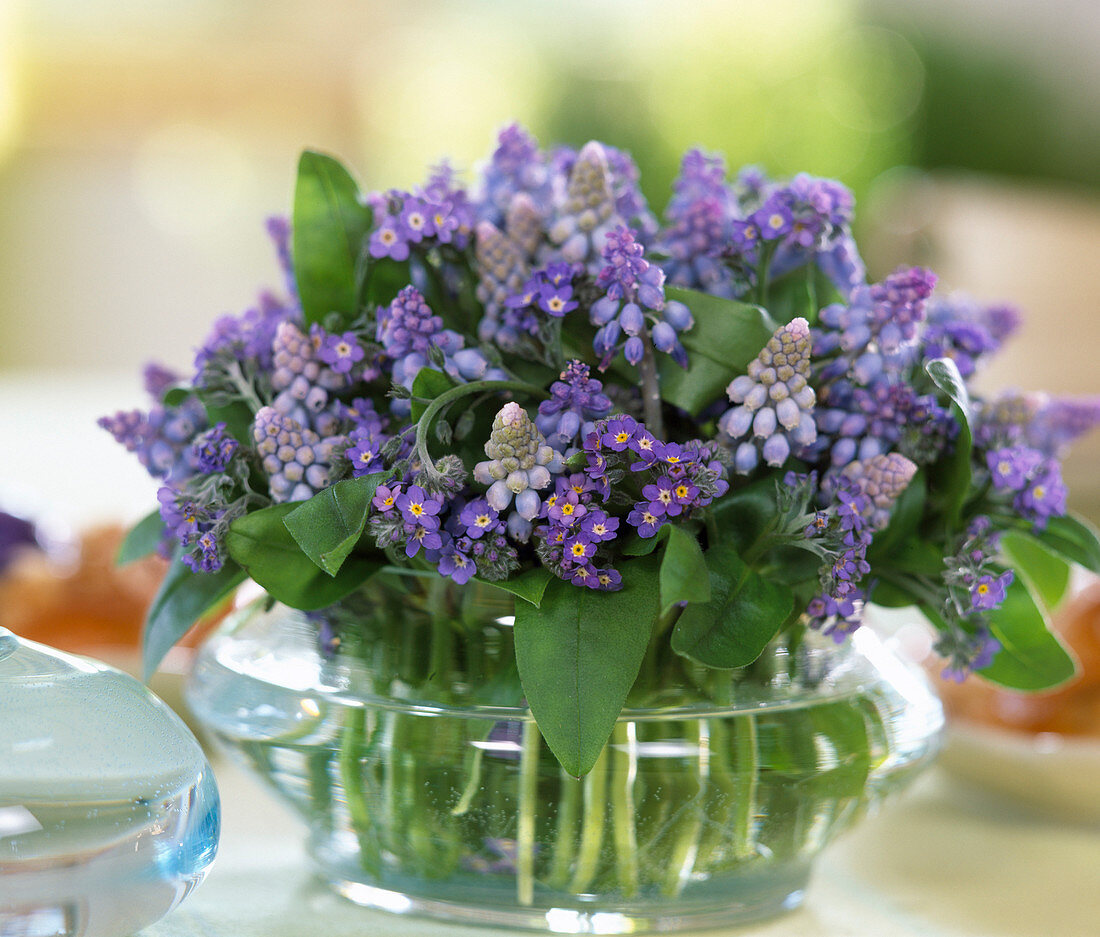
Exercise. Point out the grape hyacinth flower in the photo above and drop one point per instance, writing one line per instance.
(881, 480)
(776, 402)
(877, 331)
(296, 459)
(162, 437)
(520, 463)
(576, 402)
(503, 271)
(588, 211)
(634, 305)
(698, 227)
(304, 381)
(408, 331)
(1059, 421)
(517, 167)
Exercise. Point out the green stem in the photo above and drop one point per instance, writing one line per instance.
(472, 769)
(595, 803)
(747, 758)
(351, 777)
(528, 808)
(565, 840)
(448, 397)
(624, 772)
(651, 388)
(686, 846)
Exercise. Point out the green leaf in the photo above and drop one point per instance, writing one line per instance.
(579, 655)
(1031, 657)
(529, 586)
(328, 526)
(1042, 569)
(684, 576)
(382, 279)
(744, 514)
(745, 612)
(803, 292)
(916, 556)
(428, 384)
(727, 335)
(330, 223)
(1074, 539)
(951, 482)
(175, 396)
(184, 597)
(144, 538)
(236, 415)
(262, 545)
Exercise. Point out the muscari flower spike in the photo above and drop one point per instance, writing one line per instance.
(297, 461)
(576, 401)
(881, 479)
(588, 211)
(776, 402)
(634, 304)
(520, 463)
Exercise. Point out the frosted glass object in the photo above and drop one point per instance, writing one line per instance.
(109, 814)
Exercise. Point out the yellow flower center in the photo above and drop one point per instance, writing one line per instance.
(578, 549)
(416, 509)
(622, 437)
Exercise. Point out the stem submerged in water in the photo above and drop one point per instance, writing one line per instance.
(528, 809)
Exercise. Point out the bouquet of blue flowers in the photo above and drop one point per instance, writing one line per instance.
(705, 431)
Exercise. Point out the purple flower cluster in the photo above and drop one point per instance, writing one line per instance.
(675, 479)
(976, 586)
(366, 438)
(161, 438)
(439, 213)
(214, 449)
(549, 290)
(297, 461)
(576, 401)
(247, 339)
(517, 167)
(843, 533)
(569, 542)
(303, 381)
(193, 525)
(408, 331)
(503, 269)
(460, 538)
(1032, 479)
(634, 306)
(775, 402)
(881, 480)
(698, 225)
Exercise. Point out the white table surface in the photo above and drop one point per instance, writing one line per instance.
(943, 860)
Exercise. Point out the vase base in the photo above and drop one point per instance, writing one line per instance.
(766, 896)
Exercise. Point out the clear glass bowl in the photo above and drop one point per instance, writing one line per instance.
(109, 814)
(427, 788)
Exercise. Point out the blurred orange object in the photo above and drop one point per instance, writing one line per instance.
(85, 604)
(1070, 710)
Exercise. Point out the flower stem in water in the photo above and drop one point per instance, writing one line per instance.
(595, 808)
(624, 772)
(528, 808)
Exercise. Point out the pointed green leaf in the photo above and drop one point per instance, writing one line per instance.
(142, 540)
(328, 526)
(579, 655)
(1043, 570)
(951, 482)
(262, 545)
(1073, 538)
(529, 586)
(727, 335)
(1031, 656)
(745, 612)
(330, 224)
(684, 576)
(183, 598)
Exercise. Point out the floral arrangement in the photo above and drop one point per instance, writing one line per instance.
(706, 430)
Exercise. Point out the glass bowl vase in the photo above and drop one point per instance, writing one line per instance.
(395, 727)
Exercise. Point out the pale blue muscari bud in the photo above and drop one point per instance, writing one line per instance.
(775, 402)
